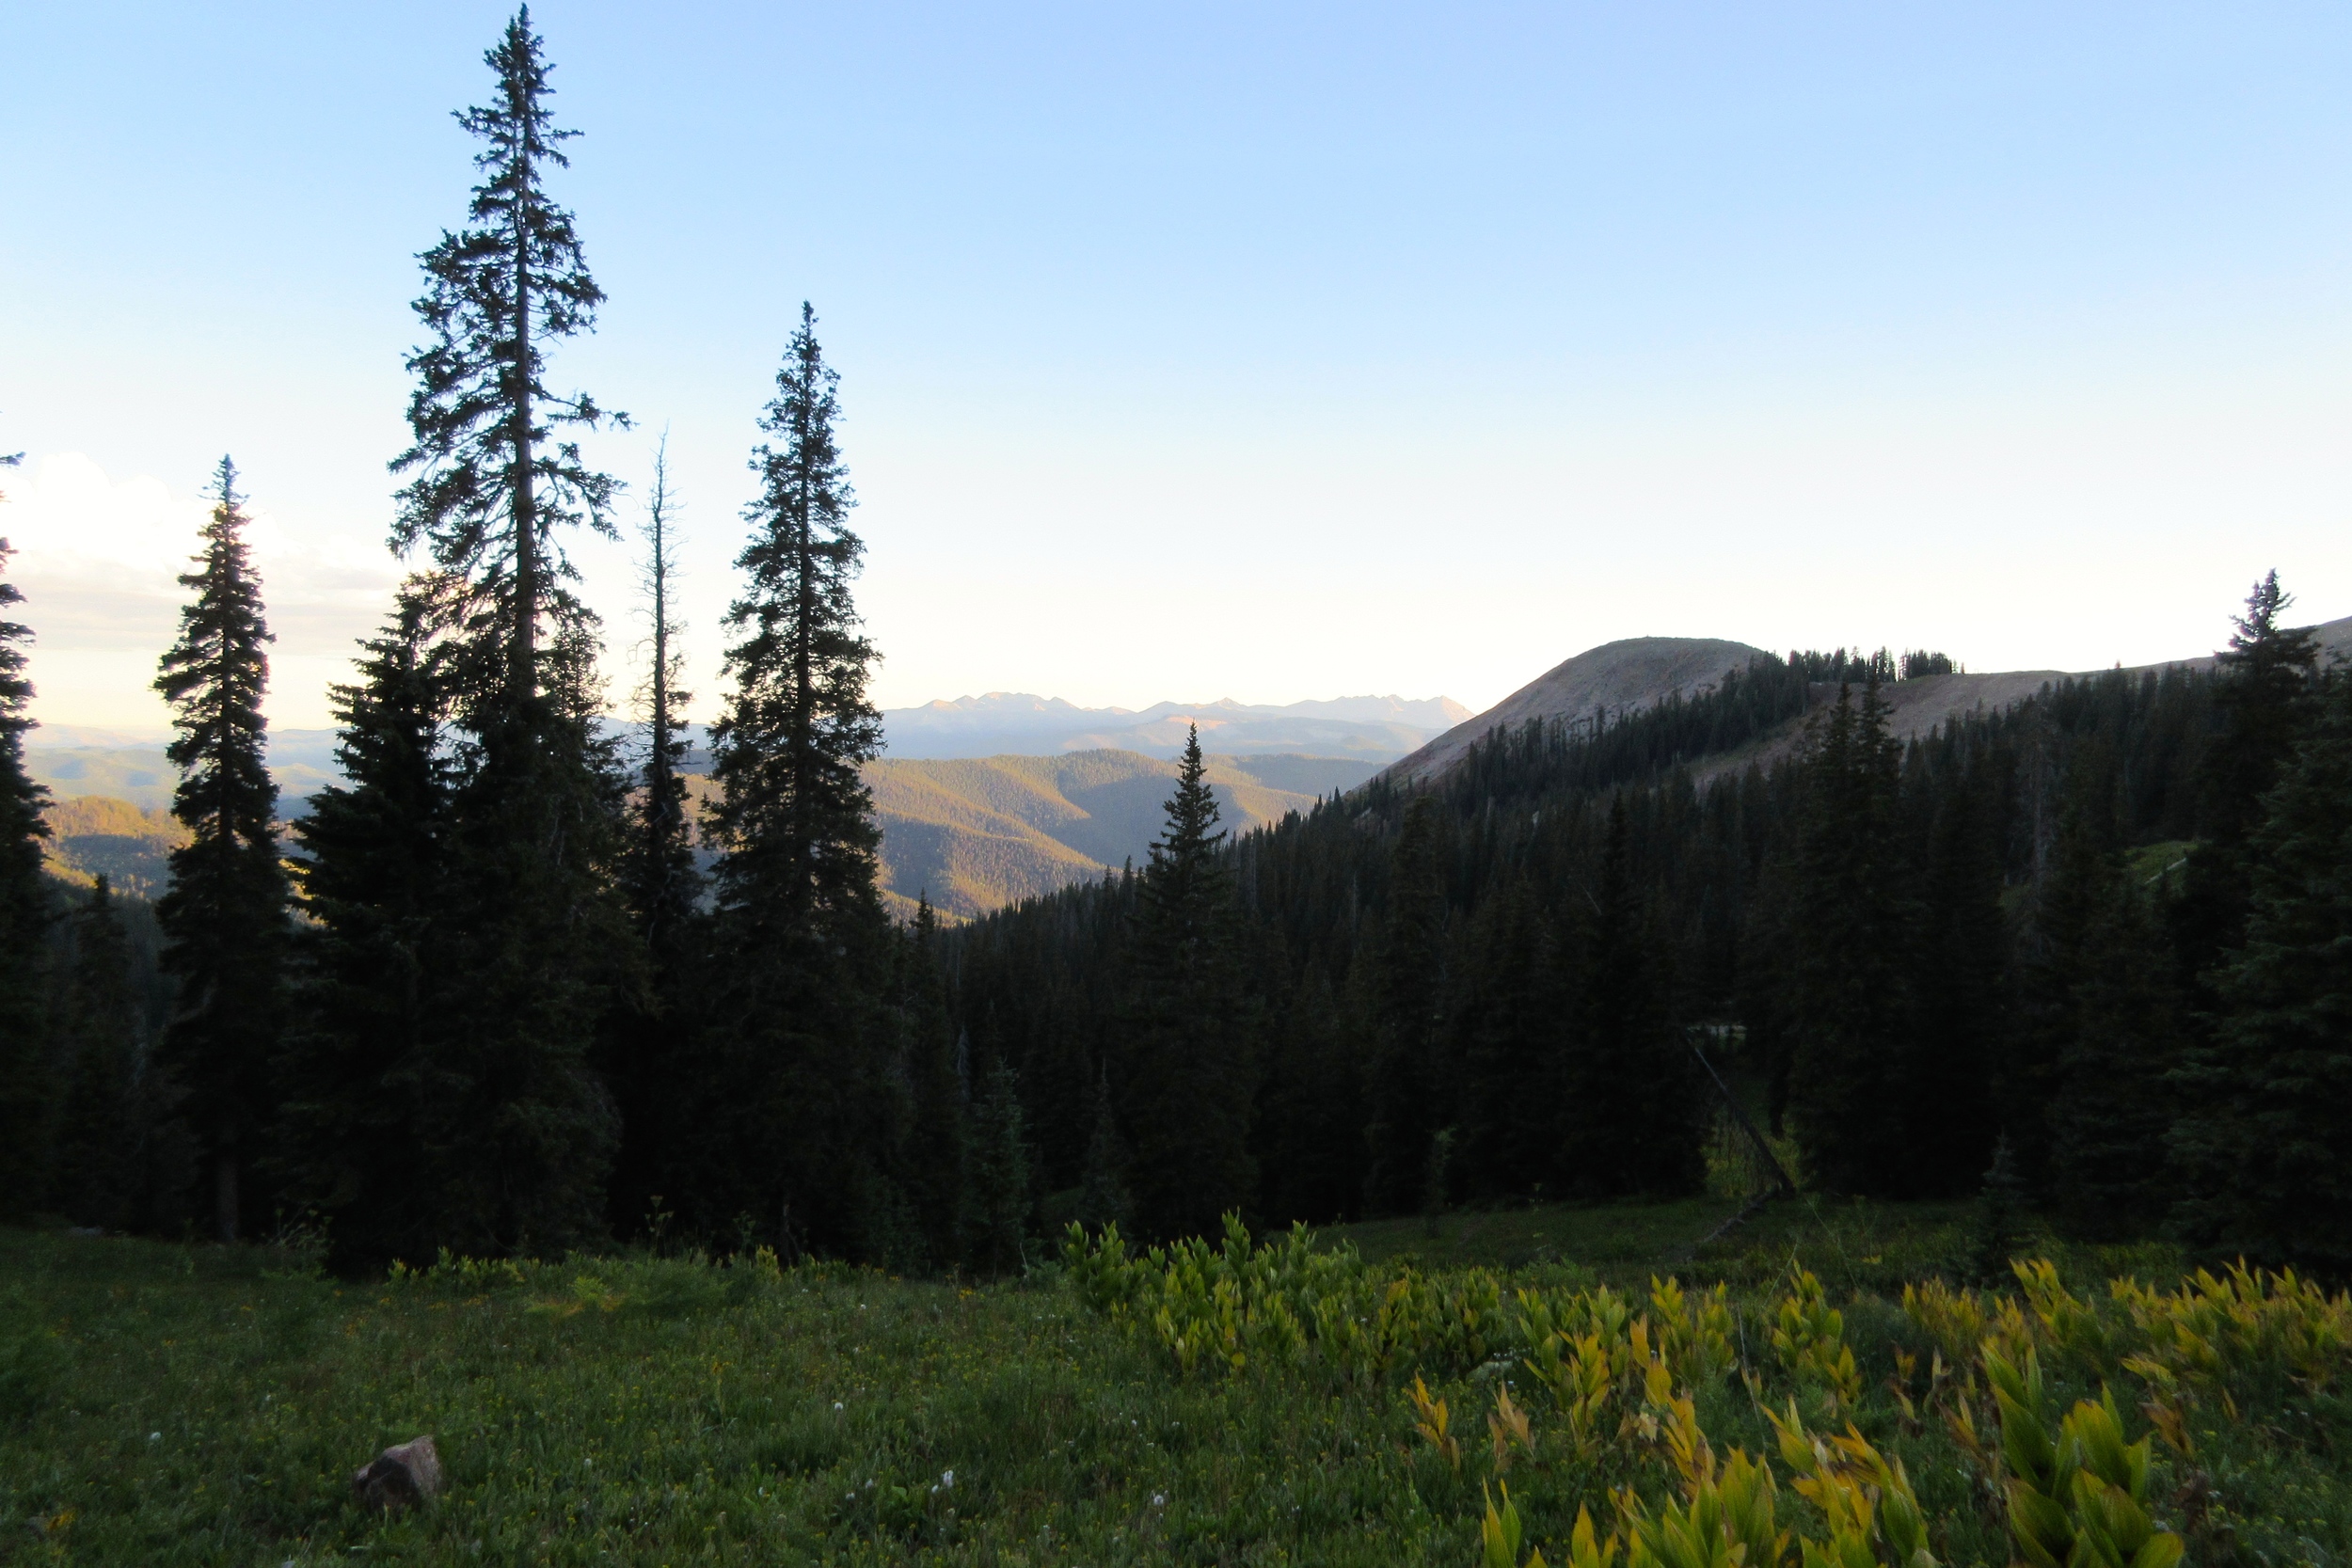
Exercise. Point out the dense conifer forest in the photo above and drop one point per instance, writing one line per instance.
(486, 995)
(2064, 926)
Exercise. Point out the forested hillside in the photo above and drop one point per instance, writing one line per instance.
(2041, 939)
(975, 836)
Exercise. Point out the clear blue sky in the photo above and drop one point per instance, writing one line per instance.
(1269, 352)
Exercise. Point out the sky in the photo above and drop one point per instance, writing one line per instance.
(1269, 352)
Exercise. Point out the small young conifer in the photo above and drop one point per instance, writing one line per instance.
(1187, 1068)
(225, 919)
(1996, 1230)
(1102, 1197)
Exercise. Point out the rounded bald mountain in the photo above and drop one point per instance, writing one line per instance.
(1617, 677)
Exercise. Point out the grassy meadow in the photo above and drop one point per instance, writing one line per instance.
(1355, 1400)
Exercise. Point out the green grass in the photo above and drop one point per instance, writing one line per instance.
(165, 1404)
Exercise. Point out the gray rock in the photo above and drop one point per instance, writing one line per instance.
(402, 1475)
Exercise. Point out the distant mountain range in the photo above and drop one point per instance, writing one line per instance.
(999, 723)
(982, 801)
(985, 801)
(975, 834)
(75, 760)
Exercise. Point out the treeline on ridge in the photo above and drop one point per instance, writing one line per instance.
(2061, 934)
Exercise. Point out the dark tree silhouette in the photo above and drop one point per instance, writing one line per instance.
(225, 919)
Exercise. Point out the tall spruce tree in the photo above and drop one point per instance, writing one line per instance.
(495, 481)
(225, 919)
(1186, 1067)
(799, 1088)
(375, 967)
(521, 1127)
(1844, 997)
(2263, 700)
(24, 918)
(2266, 1138)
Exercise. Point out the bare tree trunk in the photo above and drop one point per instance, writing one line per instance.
(522, 675)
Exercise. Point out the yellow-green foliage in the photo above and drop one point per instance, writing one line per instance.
(1809, 1335)
(2243, 1323)
(1592, 1388)
(1285, 1304)
(2078, 1499)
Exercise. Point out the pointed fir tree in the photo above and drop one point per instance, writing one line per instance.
(523, 1127)
(2264, 704)
(1103, 1198)
(374, 1009)
(1996, 1230)
(1187, 1072)
(25, 919)
(225, 919)
(495, 476)
(797, 901)
(2265, 1140)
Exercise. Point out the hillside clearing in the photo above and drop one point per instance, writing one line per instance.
(174, 1404)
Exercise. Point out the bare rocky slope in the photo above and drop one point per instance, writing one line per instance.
(1616, 678)
(1641, 672)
